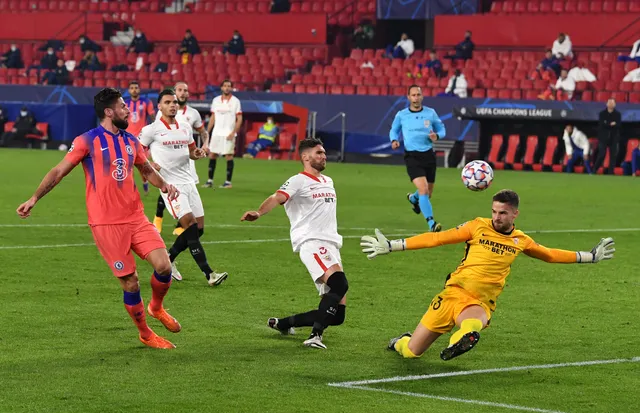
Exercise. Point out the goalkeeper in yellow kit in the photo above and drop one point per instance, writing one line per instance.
(471, 291)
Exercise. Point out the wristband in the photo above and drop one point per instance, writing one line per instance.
(583, 257)
(397, 245)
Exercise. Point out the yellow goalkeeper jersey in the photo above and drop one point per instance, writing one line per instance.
(487, 257)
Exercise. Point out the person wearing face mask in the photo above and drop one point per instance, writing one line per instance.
(88, 44)
(464, 49)
(24, 125)
(235, 46)
(266, 137)
(139, 44)
(49, 60)
(12, 59)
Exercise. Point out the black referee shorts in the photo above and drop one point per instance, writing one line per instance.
(421, 164)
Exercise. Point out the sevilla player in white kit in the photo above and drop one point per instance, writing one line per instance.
(310, 202)
(171, 145)
(191, 116)
(224, 124)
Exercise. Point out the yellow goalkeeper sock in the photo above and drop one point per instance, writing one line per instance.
(178, 231)
(157, 222)
(402, 347)
(467, 326)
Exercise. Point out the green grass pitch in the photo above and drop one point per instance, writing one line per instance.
(67, 344)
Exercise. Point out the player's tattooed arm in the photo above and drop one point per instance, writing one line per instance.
(204, 135)
(151, 175)
(51, 179)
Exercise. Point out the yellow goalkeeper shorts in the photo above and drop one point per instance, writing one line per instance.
(446, 307)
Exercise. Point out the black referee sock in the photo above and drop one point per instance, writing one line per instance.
(212, 168)
(160, 207)
(229, 170)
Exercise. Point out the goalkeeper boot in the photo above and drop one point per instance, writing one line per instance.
(273, 323)
(315, 341)
(393, 341)
(215, 279)
(466, 343)
(433, 225)
(416, 206)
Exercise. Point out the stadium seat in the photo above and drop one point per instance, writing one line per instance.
(496, 143)
(632, 144)
(547, 160)
(512, 147)
(532, 144)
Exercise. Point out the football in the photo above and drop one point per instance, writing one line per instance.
(477, 175)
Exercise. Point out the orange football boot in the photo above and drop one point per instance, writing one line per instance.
(155, 341)
(166, 319)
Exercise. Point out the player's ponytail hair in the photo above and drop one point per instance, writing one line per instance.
(507, 196)
(105, 99)
(308, 143)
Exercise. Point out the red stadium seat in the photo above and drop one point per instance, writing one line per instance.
(532, 144)
(547, 159)
(496, 143)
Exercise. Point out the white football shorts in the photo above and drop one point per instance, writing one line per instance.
(318, 256)
(188, 201)
(222, 146)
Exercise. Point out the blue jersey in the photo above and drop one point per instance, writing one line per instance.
(415, 127)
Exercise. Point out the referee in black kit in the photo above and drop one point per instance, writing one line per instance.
(420, 127)
(609, 122)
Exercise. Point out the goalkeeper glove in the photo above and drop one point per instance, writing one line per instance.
(380, 245)
(603, 251)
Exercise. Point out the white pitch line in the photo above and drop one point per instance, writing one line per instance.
(455, 399)
(411, 230)
(233, 241)
(484, 371)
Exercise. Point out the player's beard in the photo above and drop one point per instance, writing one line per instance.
(121, 123)
(318, 166)
(182, 102)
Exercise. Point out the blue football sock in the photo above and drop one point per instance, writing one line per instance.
(145, 186)
(426, 208)
(413, 198)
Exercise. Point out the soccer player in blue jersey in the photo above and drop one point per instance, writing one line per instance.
(420, 127)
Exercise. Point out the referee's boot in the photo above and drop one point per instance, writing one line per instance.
(436, 227)
(416, 206)
(466, 343)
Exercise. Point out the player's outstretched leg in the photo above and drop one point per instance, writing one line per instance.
(135, 307)
(328, 308)
(464, 339)
(190, 238)
(413, 345)
(286, 325)
(157, 220)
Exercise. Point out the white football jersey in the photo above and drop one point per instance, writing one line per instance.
(311, 207)
(169, 148)
(225, 111)
(193, 118)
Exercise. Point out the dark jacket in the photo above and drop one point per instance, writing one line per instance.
(13, 60)
(190, 46)
(49, 61)
(605, 129)
(25, 122)
(464, 49)
(90, 45)
(236, 46)
(139, 44)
